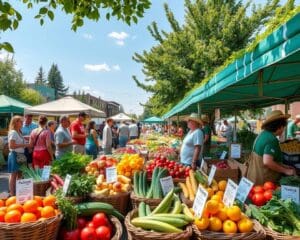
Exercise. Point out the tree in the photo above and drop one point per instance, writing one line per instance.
(127, 11)
(55, 81)
(40, 78)
(31, 96)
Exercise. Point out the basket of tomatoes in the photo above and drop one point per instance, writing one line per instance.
(34, 219)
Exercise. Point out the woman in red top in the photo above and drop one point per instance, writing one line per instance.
(40, 141)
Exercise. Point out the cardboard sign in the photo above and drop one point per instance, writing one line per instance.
(200, 201)
(235, 150)
(24, 190)
(46, 173)
(211, 174)
(289, 192)
(244, 188)
(166, 184)
(67, 183)
(230, 193)
(111, 174)
(223, 155)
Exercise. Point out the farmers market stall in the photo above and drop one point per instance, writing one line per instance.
(121, 117)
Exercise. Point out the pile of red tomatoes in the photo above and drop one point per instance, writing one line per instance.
(261, 194)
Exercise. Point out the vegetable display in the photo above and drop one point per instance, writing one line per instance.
(98, 166)
(129, 164)
(259, 195)
(81, 185)
(34, 173)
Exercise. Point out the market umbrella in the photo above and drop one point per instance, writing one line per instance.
(153, 120)
(10, 105)
(121, 117)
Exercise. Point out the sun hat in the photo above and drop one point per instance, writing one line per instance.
(194, 117)
(205, 118)
(275, 115)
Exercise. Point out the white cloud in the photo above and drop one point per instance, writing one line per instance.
(97, 67)
(87, 36)
(119, 37)
(116, 67)
(120, 42)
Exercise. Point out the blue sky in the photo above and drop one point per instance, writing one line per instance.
(97, 58)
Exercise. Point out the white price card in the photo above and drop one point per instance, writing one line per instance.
(46, 173)
(289, 192)
(244, 188)
(223, 155)
(166, 184)
(230, 193)
(235, 150)
(200, 201)
(24, 190)
(111, 174)
(211, 174)
(67, 183)
(202, 164)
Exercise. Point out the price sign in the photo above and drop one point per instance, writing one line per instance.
(111, 174)
(230, 193)
(200, 201)
(202, 164)
(4, 195)
(46, 173)
(223, 155)
(211, 174)
(244, 188)
(289, 192)
(166, 184)
(67, 183)
(235, 150)
(24, 190)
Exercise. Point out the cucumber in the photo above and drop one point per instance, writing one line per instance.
(182, 216)
(177, 208)
(163, 173)
(167, 207)
(136, 183)
(176, 222)
(154, 176)
(142, 209)
(141, 184)
(164, 203)
(91, 208)
(155, 182)
(187, 211)
(200, 178)
(148, 210)
(155, 225)
(144, 183)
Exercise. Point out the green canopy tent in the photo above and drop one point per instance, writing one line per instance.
(11, 106)
(268, 75)
(153, 120)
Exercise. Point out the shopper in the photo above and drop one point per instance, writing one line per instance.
(192, 146)
(92, 145)
(16, 157)
(133, 130)
(293, 129)
(51, 125)
(207, 135)
(78, 133)
(265, 163)
(63, 138)
(40, 142)
(123, 133)
(107, 137)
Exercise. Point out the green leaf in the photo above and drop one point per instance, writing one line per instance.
(42, 21)
(43, 10)
(8, 47)
(134, 18)
(5, 24)
(108, 16)
(29, 5)
(15, 24)
(50, 15)
(19, 16)
(38, 16)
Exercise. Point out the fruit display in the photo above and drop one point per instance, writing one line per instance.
(222, 165)
(290, 147)
(129, 164)
(164, 152)
(261, 194)
(98, 166)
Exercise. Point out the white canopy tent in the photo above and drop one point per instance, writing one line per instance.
(121, 117)
(66, 105)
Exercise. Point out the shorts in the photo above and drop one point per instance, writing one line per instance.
(12, 165)
(91, 150)
(41, 158)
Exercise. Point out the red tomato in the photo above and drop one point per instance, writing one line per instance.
(103, 233)
(71, 235)
(258, 189)
(269, 186)
(268, 195)
(250, 195)
(88, 233)
(81, 222)
(100, 219)
(258, 199)
(90, 224)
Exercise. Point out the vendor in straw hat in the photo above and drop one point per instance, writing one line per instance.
(265, 163)
(191, 149)
(207, 135)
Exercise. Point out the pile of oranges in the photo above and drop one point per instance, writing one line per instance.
(37, 209)
(129, 164)
(218, 218)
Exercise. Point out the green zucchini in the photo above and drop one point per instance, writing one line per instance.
(176, 222)
(148, 210)
(136, 183)
(142, 209)
(155, 225)
(164, 203)
(141, 194)
(144, 183)
(154, 176)
(182, 216)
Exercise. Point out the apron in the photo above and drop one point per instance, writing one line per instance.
(258, 173)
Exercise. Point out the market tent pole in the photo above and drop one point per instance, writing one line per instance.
(199, 109)
(286, 111)
(234, 129)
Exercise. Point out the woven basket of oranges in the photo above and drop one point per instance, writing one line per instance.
(35, 219)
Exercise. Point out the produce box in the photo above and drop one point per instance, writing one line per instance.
(242, 167)
(291, 158)
(231, 172)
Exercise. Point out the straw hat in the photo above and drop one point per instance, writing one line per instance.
(194, 117)
(275, 115)
(205, 119)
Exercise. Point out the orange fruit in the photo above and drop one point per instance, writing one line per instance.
(210, 192)
(229, 226)
(234, 213)
(49, 201)
(2, 215)
(220, 193)
(38, 212)
(222, 214)
(202, 223)
(47, 212)
(212, 206)
(215, 224)
(222, 185)
(216, 197)
(245, 225)
(221, 205)
(13, 216)
(2, 203)
(39, 200)
(10, 200)
(15, 206)
(28, 217)
(3, 209)
(30, 206)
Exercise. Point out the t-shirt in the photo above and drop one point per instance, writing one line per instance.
(78, 127)
(107, 137)
(62, 135)
(291, 129)
(14, 135)
(190, 141)
(27, 129)
(41, 141)
(133, 130)
(267, 143)
(207, 131)
(123, 130)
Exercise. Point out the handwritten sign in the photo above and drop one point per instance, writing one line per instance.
(289, 192)
(230, 193)
(46, 173)
(235, 150)
(200, 201)
(244, 188)
(24, 190)
(223, 155)
(111, 174)
(211, 174)
(166, 184)
(67, 183)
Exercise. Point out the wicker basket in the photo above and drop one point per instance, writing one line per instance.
(75, 200)
(46, 230)
(40, 188)
(118, 228)
(186, 201)
(258, 234)
(272, 235)
(119, 201)
(135, 233)
(135, 200)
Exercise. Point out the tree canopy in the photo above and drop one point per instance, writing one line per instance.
(55, 80)
(40, 78)
(31, 96)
